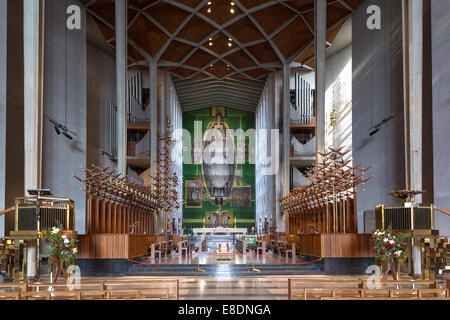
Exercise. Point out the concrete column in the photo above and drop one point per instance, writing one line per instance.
(286, 136)
(3, 75)
(277, 100)
(413, 74)
(320, 30)
(121, 78)
(65, 100)
(153, 81)
(153, 84)
(32, 40)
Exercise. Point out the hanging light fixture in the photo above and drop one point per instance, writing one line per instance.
(61, 129)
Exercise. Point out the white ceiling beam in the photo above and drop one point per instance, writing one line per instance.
(220, 103)
(238, 93)
(222, 83)
(215, 95)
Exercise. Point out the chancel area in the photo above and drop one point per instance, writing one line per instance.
(206, 149)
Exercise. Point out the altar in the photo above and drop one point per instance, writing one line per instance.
(219, 230)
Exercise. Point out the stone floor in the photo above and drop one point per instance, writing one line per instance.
(225, 288)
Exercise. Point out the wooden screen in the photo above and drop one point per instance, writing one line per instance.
(106, 217)
(342, 218)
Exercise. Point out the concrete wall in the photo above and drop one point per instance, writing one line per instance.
(338, 96)
(440, 20)
(277, 102)
(378, 92)
(65, 102)
(101, 90)
(3, 75)
(264, 181)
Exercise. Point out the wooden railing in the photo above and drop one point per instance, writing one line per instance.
(147, 289)
(118, 246)
(7, 211)
(333, 245)
(443, 210)
(113, 218)
(317, 289)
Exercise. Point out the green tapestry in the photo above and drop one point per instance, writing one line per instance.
(218, 169)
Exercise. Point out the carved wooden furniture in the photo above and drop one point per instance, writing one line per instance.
(348, 288)
(117, 205)
(328, 204)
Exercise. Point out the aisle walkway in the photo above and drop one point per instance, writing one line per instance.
(226, 288)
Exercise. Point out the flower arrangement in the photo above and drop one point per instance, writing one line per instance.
(62, 245)
(390, 244)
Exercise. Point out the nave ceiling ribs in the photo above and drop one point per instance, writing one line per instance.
(186, 38)
(264, 22)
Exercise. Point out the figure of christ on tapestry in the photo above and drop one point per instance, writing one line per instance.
(215, 219)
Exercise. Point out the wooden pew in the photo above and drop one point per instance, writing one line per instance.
(387, 294)
(317, 288)
(146, 289)
(289, 248)
(261, 249)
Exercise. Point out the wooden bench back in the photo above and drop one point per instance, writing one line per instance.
(92, 288)
(302, 286)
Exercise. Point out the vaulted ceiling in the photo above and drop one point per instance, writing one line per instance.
(237, 93)
(220, 39)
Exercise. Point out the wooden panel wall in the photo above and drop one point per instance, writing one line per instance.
(339, 245)
(138, 244)
(103, 246)
(347, 245)
(105, 217)
(113, 246)
(317, 217)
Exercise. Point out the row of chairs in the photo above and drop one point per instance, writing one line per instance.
(164, 249)
(281, 248)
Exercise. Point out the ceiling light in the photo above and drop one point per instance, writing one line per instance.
(229, 39)
(230, 44)
(231, 10)
(67, 135)
(210, 39)
(232, 3)
(209, 3)
(210, 44)
(211, 65)
(60, 129)
(209, 10)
